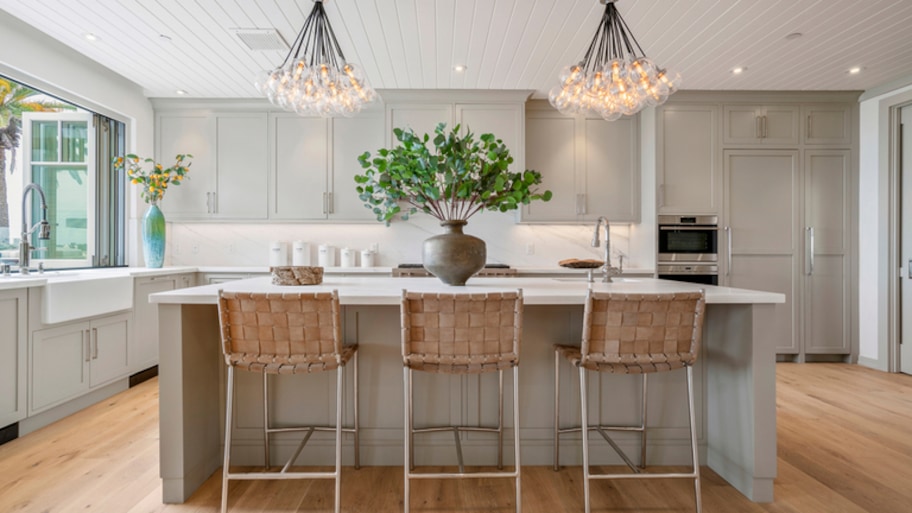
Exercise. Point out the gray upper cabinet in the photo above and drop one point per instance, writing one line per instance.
(314, 164)
(590, 165)
(689, 176)
(227, 172)
(827, 124)
(757, 125)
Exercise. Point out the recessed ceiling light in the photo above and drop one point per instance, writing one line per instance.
(459, 68)
(91, 37)
(181, 92)
(856, 70)
(793, 36)
(738, 70)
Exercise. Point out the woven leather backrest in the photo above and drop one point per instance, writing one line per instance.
(642, 329)
(281, 328)
(461, 333)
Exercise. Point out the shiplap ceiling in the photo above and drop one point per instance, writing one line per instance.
(166, 45)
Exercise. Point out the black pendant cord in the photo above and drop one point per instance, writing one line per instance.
(613, 40)
(316, 40)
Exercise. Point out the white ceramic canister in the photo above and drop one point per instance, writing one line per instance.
(348, 257)
(326, 255)
(278, 254)
(300, 253)
(367, 258)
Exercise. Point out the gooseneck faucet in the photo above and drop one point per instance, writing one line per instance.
(607, 269)
(44, 232)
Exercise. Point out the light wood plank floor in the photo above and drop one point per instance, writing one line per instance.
(845, 446)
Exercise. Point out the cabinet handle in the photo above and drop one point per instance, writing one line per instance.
(728, 241)
(580, 204)
(94, 343)
(758, 127)
(808, 135)
(215, 203)
(810, 231)
(765, 127)
(208, 203)
(329, 202)
(662, 195)
(86, 341)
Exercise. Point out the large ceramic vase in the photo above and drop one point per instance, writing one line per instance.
(153, 236)
(454, 256)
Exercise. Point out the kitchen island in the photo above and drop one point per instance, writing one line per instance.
(734, 377)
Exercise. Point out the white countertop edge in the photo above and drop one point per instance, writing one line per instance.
(388, 270)
(536, 291)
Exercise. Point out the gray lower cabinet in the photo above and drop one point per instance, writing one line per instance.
(13, 349)
(68, 360)
(787, 229)
(143, 351)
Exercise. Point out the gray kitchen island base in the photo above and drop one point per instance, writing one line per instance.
(734, 378)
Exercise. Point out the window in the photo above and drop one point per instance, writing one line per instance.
(66, 151)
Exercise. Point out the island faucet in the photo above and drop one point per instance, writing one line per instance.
(44, 232)
(607, 269)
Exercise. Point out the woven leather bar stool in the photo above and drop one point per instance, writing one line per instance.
(286, 334)
(462, 334)
(633, 334)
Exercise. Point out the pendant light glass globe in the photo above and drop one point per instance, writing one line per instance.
(615, 78)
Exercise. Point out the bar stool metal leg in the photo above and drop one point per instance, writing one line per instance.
(229, 407)
(643, 426)
(340, 372)
(408, 462)
(557, 359)
(500, 422)
(584, 432)
(516, 450)
(266, 420)
(693, 439)
(357, 406)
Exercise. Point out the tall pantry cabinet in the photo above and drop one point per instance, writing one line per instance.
(785, 203)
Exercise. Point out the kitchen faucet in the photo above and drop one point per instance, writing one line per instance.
(607, 269)
(44, 233)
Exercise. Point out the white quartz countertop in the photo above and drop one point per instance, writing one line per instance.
(389, 270)
(379, 290)
(15, 280)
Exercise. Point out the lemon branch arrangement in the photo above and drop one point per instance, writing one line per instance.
(155, 181)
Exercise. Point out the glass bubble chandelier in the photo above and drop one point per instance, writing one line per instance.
(314, 78)
(615, 78)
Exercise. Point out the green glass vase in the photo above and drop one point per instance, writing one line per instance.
(153, 236)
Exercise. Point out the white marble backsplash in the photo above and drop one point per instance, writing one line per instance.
(519, 245)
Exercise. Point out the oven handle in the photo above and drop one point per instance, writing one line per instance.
(728, 241)
(691, 228)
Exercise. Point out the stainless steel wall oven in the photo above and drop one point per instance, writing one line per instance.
(688, 248)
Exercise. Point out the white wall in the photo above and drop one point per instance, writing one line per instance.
(874, 191)
(35, 59)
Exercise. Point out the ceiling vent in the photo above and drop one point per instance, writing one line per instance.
(261, 39)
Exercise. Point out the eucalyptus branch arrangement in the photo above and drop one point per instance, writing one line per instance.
(459, 178)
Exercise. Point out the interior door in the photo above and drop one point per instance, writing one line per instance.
(905, 348)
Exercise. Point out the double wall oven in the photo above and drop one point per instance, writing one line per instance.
(688, 248)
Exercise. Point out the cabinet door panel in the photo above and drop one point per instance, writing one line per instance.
(351, 138)
(826, 124)
(762, 201)
(550, 150)
(110, 338)
(59, 365)
(300, 167)
(13, 348)
(144, 346)
(781, 125)
(504, 121)
(827, 294)
(423, 119)
(689, 176)
(772, 273)
(826, 314)
(612, 170)
(741, 124)
(193, 134)
(242, 166)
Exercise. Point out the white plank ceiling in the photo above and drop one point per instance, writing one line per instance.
(191, 45)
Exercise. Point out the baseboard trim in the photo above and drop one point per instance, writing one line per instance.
(144, 375)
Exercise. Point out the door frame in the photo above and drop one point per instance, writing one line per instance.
(894, 329)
